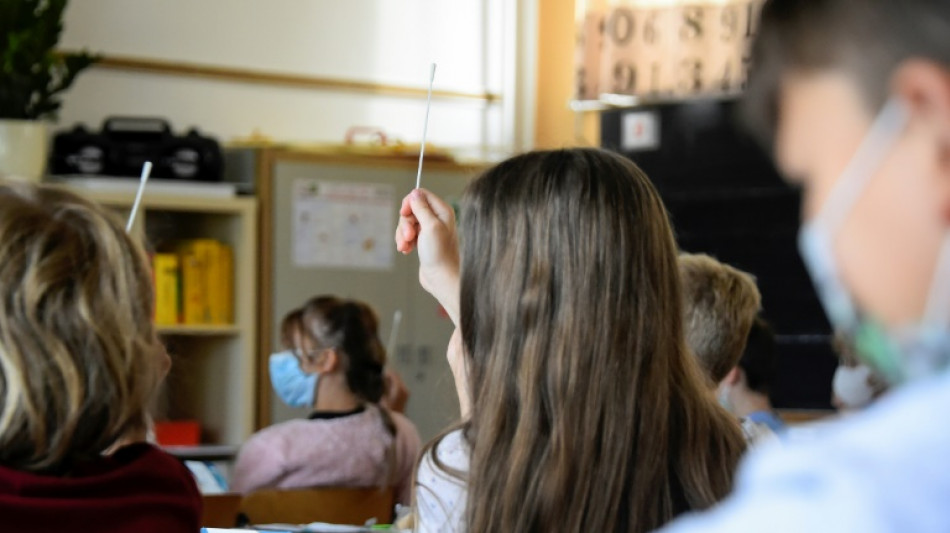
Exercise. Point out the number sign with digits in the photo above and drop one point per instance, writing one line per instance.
(690, 49)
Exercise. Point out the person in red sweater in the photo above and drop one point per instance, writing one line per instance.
(79, 363)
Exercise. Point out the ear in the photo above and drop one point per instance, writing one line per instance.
(925, 87)
(732, 378)
(165, 362)
(328, 362)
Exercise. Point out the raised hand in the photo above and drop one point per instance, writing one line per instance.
(427, 225)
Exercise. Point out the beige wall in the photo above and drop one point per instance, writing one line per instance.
(375, 41)
(556, 125)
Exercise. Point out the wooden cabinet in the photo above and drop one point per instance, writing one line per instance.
(214, 374)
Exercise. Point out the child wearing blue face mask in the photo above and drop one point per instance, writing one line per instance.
(292, 385)
(296, 388)
(335, 364)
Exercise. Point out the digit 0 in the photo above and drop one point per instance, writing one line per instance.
(622, 25)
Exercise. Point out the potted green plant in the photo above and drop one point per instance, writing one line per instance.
(33, 76)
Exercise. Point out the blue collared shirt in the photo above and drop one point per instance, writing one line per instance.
(768, 418)
(886, 469)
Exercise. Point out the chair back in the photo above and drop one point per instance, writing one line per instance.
(220, 510)
(333, 505)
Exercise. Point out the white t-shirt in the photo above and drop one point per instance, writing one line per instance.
(886, 470)
(441, 497)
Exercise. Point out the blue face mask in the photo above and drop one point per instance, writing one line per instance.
(294, 386)
(899, 354)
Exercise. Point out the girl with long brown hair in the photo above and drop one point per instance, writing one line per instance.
(582, 409)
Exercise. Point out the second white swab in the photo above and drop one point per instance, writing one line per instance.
(146, 170)
(425, 125)
(394, 334)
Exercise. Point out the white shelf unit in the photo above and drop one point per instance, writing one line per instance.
(214, 369)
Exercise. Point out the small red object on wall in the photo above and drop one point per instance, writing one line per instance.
(178, 433)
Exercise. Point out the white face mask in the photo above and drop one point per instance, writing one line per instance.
(852, 387)
(900, 354)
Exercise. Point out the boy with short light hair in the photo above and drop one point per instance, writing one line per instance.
(720, 304)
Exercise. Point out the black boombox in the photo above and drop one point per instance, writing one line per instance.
(125, 143)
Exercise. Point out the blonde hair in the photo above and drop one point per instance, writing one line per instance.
(79, 358)
(588, 413)
(720, 304)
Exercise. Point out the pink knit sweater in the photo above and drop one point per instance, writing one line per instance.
(350, 451)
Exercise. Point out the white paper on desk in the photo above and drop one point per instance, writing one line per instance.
(282, 528)
(320, 527)
(207, 477)
(229, 530)
(343, 224)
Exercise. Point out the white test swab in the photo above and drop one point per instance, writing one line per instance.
(393, 333)
(146, 170)
(425, 125)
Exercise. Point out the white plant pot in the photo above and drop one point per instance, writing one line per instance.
(24, 149)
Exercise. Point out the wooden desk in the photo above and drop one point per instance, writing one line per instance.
(220, 510)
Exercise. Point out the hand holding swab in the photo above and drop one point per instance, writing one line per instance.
(146, 170)
(425, 125)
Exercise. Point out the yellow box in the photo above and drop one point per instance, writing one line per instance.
(193, 281)
(165, 271)
(224, 307)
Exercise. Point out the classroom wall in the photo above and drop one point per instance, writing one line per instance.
(556, 125)
(474, 42)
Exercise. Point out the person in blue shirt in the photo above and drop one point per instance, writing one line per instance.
(746, 389)
(854, 98)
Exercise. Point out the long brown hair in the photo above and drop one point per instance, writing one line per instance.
(587, 412)
(352, 329)
(79, 358)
